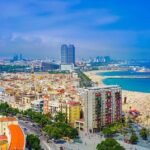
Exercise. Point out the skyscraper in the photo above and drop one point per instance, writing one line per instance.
(71, 54)
(67, 54)
(64, 54)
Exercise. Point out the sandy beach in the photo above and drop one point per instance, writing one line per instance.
(135, 100)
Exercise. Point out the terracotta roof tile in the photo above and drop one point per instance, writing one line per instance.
(17, 138)
(7, 119)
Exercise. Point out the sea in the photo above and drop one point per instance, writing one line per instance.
(1, 89)
(141, 84)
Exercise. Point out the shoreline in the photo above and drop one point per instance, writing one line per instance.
(135, 100)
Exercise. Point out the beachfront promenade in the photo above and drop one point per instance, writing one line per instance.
(90, 141)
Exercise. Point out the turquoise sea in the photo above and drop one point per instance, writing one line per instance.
(1, 89)
(124, 73)
(131, 84)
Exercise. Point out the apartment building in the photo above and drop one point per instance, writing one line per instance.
(72, 110)
(37, 105)
(102, 107)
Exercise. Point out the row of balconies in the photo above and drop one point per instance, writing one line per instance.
(108, 105)
(118, 99)
(108, 101)
(98, 94)
(118, 109)
(118, 104)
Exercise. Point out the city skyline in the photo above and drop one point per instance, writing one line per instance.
(39, 28)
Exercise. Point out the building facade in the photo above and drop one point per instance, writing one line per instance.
(49, 66)
(72, 111)
(67, 54)
(71, 54)
(38, 105)
(102, 107)
(64, 54)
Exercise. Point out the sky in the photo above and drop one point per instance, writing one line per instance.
(37, 28)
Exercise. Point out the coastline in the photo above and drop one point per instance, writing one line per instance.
(135, 100)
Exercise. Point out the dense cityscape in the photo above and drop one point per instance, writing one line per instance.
(74, 75)
(60, 105)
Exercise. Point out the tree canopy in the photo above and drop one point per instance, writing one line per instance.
(60, 117)
(133, 138)
(144, 133)
(56, 128)
(6, 110)
(33, 142)
(109, 144)
(59, 129)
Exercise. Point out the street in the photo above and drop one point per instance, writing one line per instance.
(30, 129)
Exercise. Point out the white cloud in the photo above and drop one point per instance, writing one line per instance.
(39, 29)
(47, 43)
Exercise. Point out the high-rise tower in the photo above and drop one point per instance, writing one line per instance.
(67, 54)
(64, 54)
(102, 107)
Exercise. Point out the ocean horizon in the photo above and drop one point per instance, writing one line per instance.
(139, 84)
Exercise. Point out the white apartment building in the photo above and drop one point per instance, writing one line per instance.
(54, 107)
(102, 106)
(37, 105)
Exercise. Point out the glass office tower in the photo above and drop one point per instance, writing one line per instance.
(67, 54)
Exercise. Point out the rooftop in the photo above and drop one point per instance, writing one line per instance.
(3, 137)
(17, 137)
(37, 101)
(73, 103)
(103, 87)
(7, 119)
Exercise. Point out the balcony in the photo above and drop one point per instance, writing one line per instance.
(118, 100)
(97, 94)
(98, 99)
(108, 121)
(98, 113)
(109, 100)
(97, 119)
(108, 112)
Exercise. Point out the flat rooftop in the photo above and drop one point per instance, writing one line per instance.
(103, 87)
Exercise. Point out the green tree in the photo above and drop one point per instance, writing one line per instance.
(5, 109)
(44, 121)
(108, 132)
(133, 138)
(38, 117)
(144, 133)
(56, 133)
(70, 132)
(60, 117)
(33, 142)
(58, 130)
(109, 144)
(53, 132)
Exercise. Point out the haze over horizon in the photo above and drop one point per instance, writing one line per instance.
(37, 28)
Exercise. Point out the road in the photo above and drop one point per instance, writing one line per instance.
(30, 129)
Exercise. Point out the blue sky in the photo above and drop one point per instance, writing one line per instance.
(37, 28)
